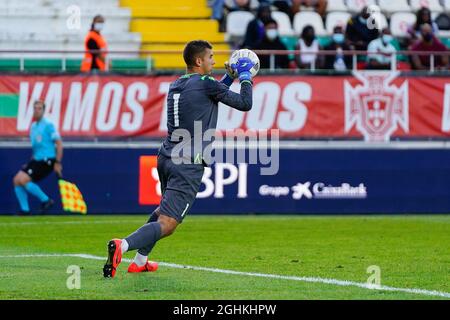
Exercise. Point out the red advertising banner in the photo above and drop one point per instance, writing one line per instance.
(371, 105)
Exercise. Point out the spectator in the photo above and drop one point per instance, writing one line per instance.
(255, 29)
(338, 62)
(379, 51)
(95, 44)
(423, 16)
(222, 7)
(237, 5)
(358, 31)
(319, 6)
(218, 14)
(428, 42)
(308, 46)
(282, 5)
(271, 41)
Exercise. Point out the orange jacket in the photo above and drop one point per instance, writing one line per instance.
(86, 64)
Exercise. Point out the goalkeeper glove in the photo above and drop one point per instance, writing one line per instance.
(242, 67)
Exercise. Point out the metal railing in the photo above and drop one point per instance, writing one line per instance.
(64, 55)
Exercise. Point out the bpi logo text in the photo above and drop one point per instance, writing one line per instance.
(224, 174)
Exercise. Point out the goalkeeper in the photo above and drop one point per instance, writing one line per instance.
(192, 100)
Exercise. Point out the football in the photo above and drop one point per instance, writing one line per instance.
(246, 53)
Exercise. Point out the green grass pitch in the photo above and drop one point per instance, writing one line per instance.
(412, 252)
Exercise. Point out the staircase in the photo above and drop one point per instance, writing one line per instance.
(170, 24)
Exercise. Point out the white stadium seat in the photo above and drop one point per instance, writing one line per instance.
(302, 19)
(56, 20)
(284, 23)
(433, 5)
(390, 6)
(336, 5)
(46, 25)
(447, 5)
(383, 21)
(100, 4)
(400, 22)
(237, 22)
(358, 5)
(254, 4)
(336, 19)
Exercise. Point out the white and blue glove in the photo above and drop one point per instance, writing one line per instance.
(242, 67)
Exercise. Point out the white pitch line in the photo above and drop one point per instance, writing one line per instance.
(253, 274)
(66, 222)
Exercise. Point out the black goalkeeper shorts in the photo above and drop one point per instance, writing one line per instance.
(179, 186)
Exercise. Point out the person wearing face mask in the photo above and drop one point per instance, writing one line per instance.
(380, 51)
(271, 41)
(423, 15)
(339, 61)
(359, 30)
(308, 46)
(429, 42)
(94, 42)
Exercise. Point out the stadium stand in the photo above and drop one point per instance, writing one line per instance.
(237, 22)
(303, 19)
(336, 19)
(284, 23)
(58, 25)
(336, 5)
(400, 21)
(433, 5)
(168, 25)
(389, 6)
(158, 25)
(355, 6)
(51, 27)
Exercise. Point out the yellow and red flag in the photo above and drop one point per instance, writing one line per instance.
(71, 197)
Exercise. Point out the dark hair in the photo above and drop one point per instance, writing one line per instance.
(270, 21)
(307, 29)
(419, 20)
(263, 10)
(40, 101)
(95, 18)
(193, 50)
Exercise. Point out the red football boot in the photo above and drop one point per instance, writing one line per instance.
(149, 266)
(114, 258)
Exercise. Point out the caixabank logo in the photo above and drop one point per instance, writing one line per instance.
(215, 181)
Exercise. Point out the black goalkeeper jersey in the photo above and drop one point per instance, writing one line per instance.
(192, 109)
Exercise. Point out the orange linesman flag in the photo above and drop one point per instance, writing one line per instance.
(71, 197)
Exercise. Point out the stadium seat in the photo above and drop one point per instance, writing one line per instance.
(336, 5)
(254, 4)
(237, 22)
(446, 4)
(46, 20)
(302, 19)
(67, 42)
(389, 6)
(171, 9)
(433, 5)
(383, 21)
(357, 5)
(400, 22)
(284, 23)
(336, 18)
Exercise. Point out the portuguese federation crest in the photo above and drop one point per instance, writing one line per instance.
(376, 107)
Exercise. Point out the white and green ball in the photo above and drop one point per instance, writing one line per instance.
(249, 54)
